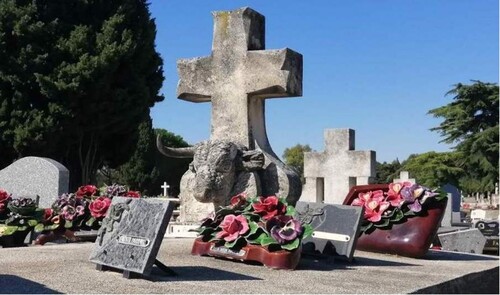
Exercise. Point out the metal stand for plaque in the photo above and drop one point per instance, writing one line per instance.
(131, 275)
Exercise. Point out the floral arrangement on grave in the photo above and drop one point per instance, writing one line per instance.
(402, 201)
(83, 209)
(265, 221)
(17, 214)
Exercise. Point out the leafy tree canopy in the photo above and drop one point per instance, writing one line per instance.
(140, 171)
(434, 169)
(471, 121)
(294, 157)
(147, 169)
(386, 172)
(170, 169)
(77, 78)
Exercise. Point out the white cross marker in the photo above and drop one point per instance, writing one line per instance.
(165, 186)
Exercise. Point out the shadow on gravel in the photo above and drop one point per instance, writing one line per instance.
(456, 256)
(16, 285)
(484, 282)
(198, 273)
(328, 263)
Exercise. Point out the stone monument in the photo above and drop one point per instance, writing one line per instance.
(452, 212)
(237, 78)
(331, 173)
(32, 176)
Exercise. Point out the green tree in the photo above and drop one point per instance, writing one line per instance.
(434, 169)
(386, 172)
(294, 157)
(77, 78)
(147, 169)
(140, 171)
(471, 122)
(170, 169)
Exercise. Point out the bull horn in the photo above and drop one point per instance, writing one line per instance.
(186, 152)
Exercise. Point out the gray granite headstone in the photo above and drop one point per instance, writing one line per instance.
(32, 176)
(336, 228)
(468, 241)
(131, 234)
(452, 212)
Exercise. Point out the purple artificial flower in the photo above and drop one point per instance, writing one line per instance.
(411, 195)
(68, 212)
(64, 200)
(428, 194)
(115, 190)
(80, 210)
(283, 228)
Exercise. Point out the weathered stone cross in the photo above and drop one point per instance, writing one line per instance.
(331, 173)
(238, 76)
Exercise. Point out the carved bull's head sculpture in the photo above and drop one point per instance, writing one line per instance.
(219, 169)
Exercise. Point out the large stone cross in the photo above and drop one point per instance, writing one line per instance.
(238, 76)
(330, 174)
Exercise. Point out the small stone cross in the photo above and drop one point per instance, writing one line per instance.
(404, 176)
(165, 186)
(238, 76)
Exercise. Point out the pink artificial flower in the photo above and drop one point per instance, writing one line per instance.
(374, 209)
(232, 227)
(393, 195)
(68, 213)
(56, 219)
(366, 197)
(80, 210)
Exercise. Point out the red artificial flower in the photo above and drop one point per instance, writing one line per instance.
(47, 214)
(86, 191)
(232, 227)
(99, 207)
(4, 199)
(268, 207)
(4, 195)
(133, 194)
(239, 200)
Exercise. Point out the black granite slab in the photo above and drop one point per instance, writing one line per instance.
(336, 228)
(131, 234)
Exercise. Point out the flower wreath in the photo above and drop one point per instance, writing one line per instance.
(265, 221)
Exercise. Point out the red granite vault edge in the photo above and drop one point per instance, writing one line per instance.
(279, 260)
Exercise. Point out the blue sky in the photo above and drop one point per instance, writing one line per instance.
(374, 66)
